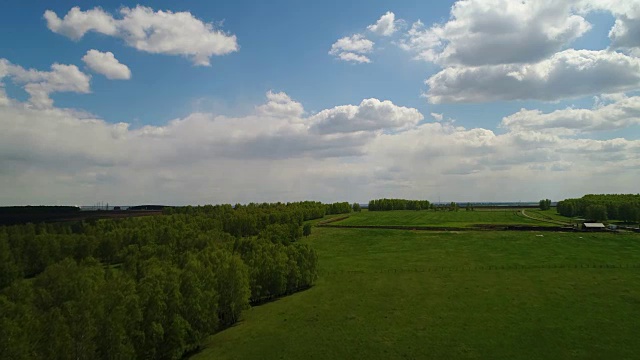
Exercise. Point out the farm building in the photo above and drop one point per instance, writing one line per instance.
(593, 227)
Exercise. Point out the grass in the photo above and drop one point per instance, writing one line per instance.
(550, 214)
(439, 218)
(409, 294)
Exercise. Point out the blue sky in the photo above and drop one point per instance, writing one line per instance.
(314, 126)
(283, 46)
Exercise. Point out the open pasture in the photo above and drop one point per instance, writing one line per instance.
(445, 295)
(460, 218)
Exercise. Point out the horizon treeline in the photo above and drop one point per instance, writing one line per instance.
(624, 207)
(147, 287)
(398, 204)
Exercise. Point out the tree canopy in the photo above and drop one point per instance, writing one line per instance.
(397, 204)
(148, 287)
(624, 207)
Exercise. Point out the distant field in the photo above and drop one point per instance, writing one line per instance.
(440, 218)
(425, 295)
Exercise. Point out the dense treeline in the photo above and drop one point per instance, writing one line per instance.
(37, 209)
(10, 215)
(397, 204)
(339, 208)
(603, 207)
(150, 287)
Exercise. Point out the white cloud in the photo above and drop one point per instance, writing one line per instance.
(423, 42)
(105, 63)
(625, 33)
(353, 57)
(158, 32)
(281, 105)
(492, 32)
(570, 73)
(77, 22)
(623, 113)
(385, 26)
(357, 152)
(40, 84)
(4, 100)
(370, 115)
(279, 152)
(493, 50)
(352, 48)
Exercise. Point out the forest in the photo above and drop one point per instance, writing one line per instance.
(150, 287)
(398, 204)
(623, 207)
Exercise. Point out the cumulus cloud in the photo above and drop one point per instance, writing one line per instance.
(353, 57)
(77, 22)
(281, 105)
(158, 32)
(352, 48)
(105, 63)
(385, 26)
(452, 159)
(567, 74)
(358, 152)
(40, 84)
(492, 32)
(275, 130)
(625, 33)
(370, 115)
(4, 100)
(492, 50)
(617, 115)
(437, 117)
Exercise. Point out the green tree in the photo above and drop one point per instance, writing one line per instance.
(8, 268)
(545, 204)
(596, 212)
(18, 322)
(199, 301)
(163, 327)
(67, 294)
(232, 283)
(119, 324)
(306, 230)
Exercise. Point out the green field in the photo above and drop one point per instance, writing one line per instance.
(440, 218)
(551, 214)
(444, 295)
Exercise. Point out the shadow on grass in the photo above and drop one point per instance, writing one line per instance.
(268, 299)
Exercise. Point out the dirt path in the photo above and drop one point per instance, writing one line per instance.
(543, 220)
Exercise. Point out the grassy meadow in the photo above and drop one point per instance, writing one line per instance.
(393, 294)
(460, 218)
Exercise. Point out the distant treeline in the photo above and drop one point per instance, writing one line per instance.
(38, 209)
(603, 207)
(149, 287)
(397, 204)
(338, 208)
(147, 207)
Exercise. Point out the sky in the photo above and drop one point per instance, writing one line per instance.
(205, 102)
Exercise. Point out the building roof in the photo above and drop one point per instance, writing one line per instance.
(594, 225)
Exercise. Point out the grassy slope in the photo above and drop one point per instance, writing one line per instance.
(551, 214)
(465, 314)
(439, 218)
